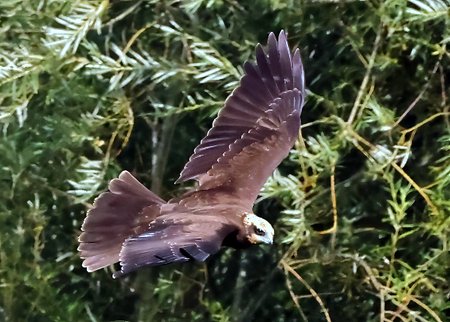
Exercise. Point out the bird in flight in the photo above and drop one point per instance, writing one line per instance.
(251, 135)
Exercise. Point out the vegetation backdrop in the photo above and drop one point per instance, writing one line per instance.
(360, 208)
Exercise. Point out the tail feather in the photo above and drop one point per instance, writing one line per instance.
(129, 185)
(125, 210)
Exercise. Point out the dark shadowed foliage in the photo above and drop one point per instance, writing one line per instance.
(360, 207)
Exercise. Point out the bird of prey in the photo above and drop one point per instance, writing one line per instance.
(251, 135)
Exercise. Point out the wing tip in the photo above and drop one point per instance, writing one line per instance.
(271, 38)
(282, 37)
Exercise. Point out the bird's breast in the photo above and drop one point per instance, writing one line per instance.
(236, 240)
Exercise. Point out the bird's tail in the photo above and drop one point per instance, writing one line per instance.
(125, 210)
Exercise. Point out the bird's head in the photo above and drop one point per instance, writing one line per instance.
(258, 229)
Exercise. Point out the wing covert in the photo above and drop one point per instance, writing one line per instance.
(245, 167)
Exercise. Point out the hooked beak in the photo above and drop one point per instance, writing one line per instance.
(268, 240)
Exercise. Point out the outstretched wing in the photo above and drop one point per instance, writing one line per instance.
(172, 238)
(256, 128)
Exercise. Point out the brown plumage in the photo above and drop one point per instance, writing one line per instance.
(251, 135)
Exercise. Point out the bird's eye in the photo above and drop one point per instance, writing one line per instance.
(259, 231)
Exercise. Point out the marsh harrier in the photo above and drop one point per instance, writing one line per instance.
(251, 135)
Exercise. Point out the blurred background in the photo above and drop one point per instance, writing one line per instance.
(360, 208)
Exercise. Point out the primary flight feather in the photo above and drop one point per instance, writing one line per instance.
(252, 134)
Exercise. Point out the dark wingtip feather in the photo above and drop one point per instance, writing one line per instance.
(298, 73)
(285, 61)
(272, 39)
(273, 47)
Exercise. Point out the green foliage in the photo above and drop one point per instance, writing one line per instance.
(361, 208)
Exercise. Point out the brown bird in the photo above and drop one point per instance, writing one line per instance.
(252, 134)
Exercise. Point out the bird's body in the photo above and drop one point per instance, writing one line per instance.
(252, 134)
